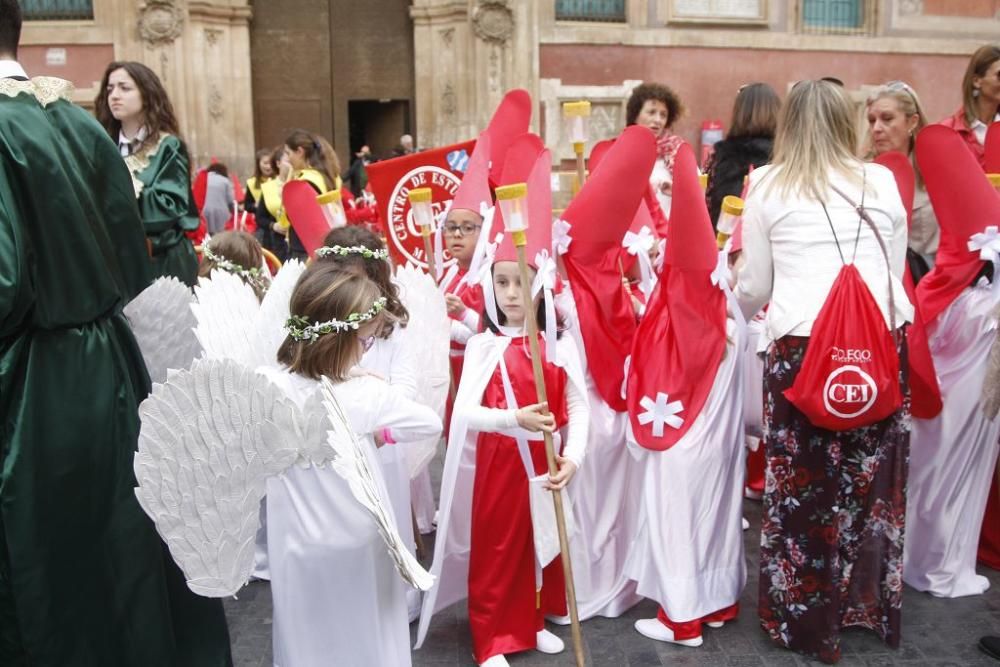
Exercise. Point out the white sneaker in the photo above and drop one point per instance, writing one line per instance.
(746, 524)
(499, 660)
(652, 628)
(715, 624)
(546, 642)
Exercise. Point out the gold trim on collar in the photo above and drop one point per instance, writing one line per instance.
(138, 161)
(45, 89)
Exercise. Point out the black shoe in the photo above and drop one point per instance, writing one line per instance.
(990, 646)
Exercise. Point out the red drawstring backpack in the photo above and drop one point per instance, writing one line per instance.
(850, 374)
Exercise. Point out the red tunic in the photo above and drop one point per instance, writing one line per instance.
(505, 610)
(957, 122)
(472, 297)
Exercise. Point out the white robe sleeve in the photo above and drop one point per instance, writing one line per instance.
(377, 404)
(470, 319)
(490, 420)
(756, 278)
(578, 426)
(460, 333)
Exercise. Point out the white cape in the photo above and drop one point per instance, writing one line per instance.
(953, 456)
(451, 548)
(688, 554)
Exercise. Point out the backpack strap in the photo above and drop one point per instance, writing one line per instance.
(863, 213)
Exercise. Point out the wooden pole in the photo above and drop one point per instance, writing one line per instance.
(520, 241)
(581, 170)
(425, 231)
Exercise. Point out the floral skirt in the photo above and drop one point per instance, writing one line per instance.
(831, 544)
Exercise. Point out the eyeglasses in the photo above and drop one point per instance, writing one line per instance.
(366, 342)
(465, 229)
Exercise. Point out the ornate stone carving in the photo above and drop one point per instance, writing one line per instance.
(493, 73)
(212, 36)
(216, 103)
(449, 101)
(160, 22)
(911, 7)
(493, 21)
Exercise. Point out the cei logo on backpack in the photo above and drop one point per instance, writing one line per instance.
(849, 392)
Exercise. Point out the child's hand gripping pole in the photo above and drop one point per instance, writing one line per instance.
(577, 116)
(511, 199)
(420, 204)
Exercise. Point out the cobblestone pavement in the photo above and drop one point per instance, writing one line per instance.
(935, 632)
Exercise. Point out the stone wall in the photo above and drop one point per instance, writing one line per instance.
(200, 49)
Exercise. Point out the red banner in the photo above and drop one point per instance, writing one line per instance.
(440, 169)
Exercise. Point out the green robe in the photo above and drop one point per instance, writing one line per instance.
(84, 578)
(162, 179)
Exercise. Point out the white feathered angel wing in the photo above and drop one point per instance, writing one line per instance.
(270, 323)
(226, 311)
(428, 336)
(354, 461)
(210, 438)
(163, 325)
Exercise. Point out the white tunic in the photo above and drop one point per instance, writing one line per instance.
(953, 456)
(605, 498)
(337, 596)
(688, 554)
(390, 358)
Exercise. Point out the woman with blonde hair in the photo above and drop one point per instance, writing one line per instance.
(894, 116)
(834, 501)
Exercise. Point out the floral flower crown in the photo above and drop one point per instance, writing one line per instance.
(344, 251)
(255, 275)
(299, 328)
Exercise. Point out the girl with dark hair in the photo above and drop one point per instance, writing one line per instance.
(133, 107)
(748, 144)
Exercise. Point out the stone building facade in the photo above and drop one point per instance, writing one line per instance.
(199, 48)
(242, 73)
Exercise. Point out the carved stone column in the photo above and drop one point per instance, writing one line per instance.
(201, 51)
(468, 53)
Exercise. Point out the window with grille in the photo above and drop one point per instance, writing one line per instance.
(57, 10)
(590, 10)
(834, 15)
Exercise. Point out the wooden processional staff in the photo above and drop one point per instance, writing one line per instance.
(511, 200)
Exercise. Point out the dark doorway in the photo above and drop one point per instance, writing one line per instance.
(378, 123)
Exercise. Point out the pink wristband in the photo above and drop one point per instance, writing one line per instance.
(387, 437)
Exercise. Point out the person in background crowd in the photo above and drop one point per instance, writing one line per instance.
(84, 578)
(356, 176)
(657, 107)
(895, 116)
(748, 144)
(980, 100)
(133, 107)
(219, 198)
(834, 505)
(264, 169)
(405, 146)
(309, 158)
